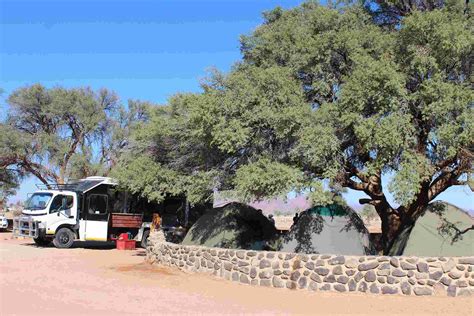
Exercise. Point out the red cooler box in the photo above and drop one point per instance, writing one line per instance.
(123, 243)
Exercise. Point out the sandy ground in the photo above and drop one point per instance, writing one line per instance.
(93, 279)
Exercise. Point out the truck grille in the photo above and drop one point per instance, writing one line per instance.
(25, 227)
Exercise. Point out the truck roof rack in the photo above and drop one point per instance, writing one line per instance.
(77, 186)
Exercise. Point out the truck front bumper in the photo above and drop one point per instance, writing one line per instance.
(26, 226)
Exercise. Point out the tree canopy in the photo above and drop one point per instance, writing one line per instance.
(60, 134)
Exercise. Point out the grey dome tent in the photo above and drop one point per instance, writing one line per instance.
(443, 230)
(331, 229)
(234, 225)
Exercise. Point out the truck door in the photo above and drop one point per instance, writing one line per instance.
(96, 217)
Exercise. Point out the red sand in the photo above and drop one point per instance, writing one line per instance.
(95, 280)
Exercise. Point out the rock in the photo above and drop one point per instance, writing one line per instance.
(313, 286)
(265, 264)
(407, 266)
(460, 267)
(306, 272)
(325, 256)
(421, 282)
(383, 259)
(325, 287)
(358, 276)
(412, 281)
(448, 266)
(291, 285)
(398, 273)
(385, 266)
(254, 282)
(340, 287)
(342, 279)
(242, 263)
(383, 272)
(370, 276)
(227, 265)
(266, 274)
(337, 260)
(455, 275)
(322, 271)
(422, 291)
(389, 290)
(244, 279)
(352, 285)
(411, 260)
(235, 276)
(390, 280)
(410, 273)
(381, 279)
(251, 253)
(350, 272)
(275, 264)
(297, 264)
(351, 263)
(286, 265)
(319, 263)
(277, 272)
(406, 288)
(446, 281)
(315, 277)
(374, 289)
(368, 266)
(240, 254)
(438, 289)
(295, 275)
(461, 283)
(394, 262)
(277, 282)
(309, 265)
(302, 282)
(422, 267)
(253, 272)
(419, 275)
(430, 282)
(468, 260)
(244, 270)
(362, 287)
(465, 292)
(436, 275)
(452, 290)
(330, 279)
(337, 270)
(265, 282)
(270, 255)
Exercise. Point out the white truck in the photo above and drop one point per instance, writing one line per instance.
(89, 209)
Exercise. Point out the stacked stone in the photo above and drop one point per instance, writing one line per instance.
(368, 274)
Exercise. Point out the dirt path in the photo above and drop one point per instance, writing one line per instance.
(93, 279)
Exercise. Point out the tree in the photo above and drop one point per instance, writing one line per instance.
(329, 94)
(60, 134)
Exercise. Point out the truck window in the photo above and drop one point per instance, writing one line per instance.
(98, 204)
(57, 203)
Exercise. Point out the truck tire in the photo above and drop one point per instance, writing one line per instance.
(41, 242)
(145, 236)
(64, 238)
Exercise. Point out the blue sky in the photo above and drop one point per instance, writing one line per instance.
(142, 49)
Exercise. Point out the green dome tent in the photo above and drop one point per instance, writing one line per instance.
(438, 232)
(234, 225)
(331, 229)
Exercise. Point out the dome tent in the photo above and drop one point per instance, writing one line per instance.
(234, 225)
(331, 229)
(437, 232)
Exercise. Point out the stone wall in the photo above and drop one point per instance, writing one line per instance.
(368, 274)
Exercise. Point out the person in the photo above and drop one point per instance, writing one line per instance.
(270, 217)
(295, 218)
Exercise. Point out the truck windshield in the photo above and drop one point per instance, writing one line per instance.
(38, 201)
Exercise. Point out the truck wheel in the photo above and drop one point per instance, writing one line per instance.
(144, 241)
(41, 242)
(64, 238)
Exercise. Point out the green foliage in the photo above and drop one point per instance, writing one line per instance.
(59, 134)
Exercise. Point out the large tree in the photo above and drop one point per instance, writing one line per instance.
(60, 134)
(326, 94)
